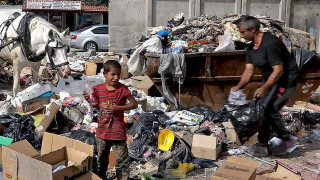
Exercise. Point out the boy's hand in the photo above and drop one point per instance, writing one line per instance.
(86, 95)
(112, 108)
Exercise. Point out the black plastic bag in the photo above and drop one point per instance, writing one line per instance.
(84, 136)
(208, 113)
(310, 118)
(204, 163)
(140, 144)
(145, 121)
(246, 118)
(20, 128)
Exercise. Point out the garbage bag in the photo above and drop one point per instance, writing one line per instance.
(208, 113)
(20, 128)
(246, 118)
(204, 163)
(237, 98)
(302, 56)
(140, 144)
(310, 118)
(72, 115)
(84, 136)
(145, 121)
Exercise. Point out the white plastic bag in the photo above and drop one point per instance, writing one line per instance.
(225, 42)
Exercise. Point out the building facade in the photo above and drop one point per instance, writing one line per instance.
(70, 14)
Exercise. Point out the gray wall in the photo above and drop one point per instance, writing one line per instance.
(129, 19)
(127, 23)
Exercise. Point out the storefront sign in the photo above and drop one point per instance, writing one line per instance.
(61, 5)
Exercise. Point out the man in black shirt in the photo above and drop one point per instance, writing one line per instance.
(279, 74)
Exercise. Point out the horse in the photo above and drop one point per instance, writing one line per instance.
(26, 40)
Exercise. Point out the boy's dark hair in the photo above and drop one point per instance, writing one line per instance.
(248, 22)
(111, 64)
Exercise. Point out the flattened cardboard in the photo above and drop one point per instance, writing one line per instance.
(306, 105)
(236, 168)
(281, 173)
(142, 82)
(231, 132)
(49, 115)
(252, 140)
(205, 147)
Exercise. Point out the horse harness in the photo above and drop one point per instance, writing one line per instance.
(24, 37)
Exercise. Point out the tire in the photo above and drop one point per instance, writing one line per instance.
(90, 45)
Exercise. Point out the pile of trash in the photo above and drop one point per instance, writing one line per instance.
(162, 142)
(206, 32)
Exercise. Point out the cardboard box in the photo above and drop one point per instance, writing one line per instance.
(143, 83)
(31, 93)
(76, 163)
(231, 132)
(49, 115)
(205, 147)
(236, 168)
(93, 68)
(22, 160)
(89, 176)
(33, 105)
(23, 147)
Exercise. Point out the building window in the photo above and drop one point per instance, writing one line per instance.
(56, 19)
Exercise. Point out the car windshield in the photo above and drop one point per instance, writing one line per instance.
(83, 29)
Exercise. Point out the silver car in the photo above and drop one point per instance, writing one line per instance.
(92, 37)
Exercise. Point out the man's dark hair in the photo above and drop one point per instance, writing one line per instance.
(111, 64)
(248, 22)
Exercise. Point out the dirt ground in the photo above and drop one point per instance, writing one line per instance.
(303, 159)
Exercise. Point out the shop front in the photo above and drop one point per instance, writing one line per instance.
(67, 14)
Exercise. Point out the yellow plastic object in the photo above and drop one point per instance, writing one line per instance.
(187, 167)
(165, 139)
(37, 119)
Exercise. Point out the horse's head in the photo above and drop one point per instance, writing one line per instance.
(57, 49)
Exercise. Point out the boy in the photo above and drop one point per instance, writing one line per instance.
(110, 99)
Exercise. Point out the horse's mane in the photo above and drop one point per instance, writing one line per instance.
(39, 22)
(41, 27)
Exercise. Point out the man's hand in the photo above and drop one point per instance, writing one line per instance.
(260, 92)
(234, 89)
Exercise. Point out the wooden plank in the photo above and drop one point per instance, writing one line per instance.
(208, 67)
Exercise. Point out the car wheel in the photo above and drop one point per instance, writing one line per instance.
(91, 45)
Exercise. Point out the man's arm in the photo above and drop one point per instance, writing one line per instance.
(273, 79)
(245, 78)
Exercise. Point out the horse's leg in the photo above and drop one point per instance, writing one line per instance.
(16, 76)
(35, 66)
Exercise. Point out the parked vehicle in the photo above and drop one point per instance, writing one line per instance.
(91, 37)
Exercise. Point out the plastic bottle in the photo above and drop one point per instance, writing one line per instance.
(88, 89)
